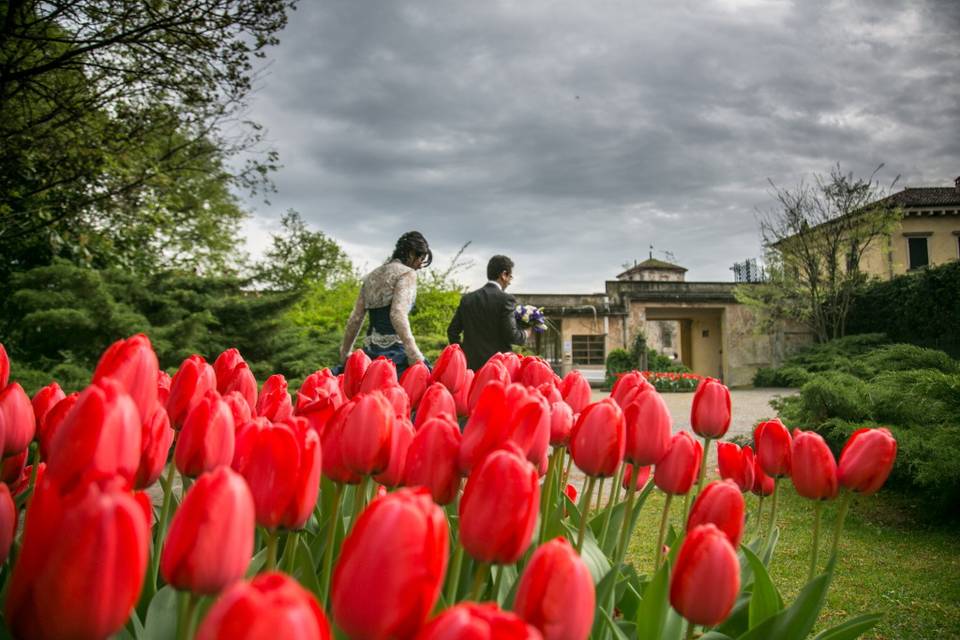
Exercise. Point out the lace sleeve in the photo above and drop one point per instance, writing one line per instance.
(353, 327)
(404, 294)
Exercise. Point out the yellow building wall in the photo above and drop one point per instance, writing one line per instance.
(888, 257)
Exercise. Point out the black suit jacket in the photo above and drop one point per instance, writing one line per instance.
(485, 318)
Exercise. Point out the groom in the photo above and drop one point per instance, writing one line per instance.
(485, 317)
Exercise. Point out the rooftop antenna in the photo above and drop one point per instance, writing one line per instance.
(651, 252)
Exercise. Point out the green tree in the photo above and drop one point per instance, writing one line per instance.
(300, 258)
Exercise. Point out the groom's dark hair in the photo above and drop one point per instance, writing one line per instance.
(497, 265)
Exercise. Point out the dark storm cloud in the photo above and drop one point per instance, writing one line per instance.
(574, 135)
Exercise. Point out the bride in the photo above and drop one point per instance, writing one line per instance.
(388, 293)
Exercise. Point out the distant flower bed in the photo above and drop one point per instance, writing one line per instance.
(672, 380)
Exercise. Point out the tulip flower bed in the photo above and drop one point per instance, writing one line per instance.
(672, 381)
(360, 509)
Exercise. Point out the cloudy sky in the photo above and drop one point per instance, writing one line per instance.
(573, 135)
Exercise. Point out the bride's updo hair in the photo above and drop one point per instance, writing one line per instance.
(412, 243)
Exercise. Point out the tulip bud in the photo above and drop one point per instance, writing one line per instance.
(156, 436)
(318, 384)
(8, 521)
(488, 427)
(133, 364)
(274, 402)
(17, 421)
(415, 381)
(866, 460)
(556, 593)
(598, 439)
(163, 387)
(96, 535)
(461, 397)
(432, 460)
(380, 374)
(720, 503)
(813, 469)
(331, 442)
(478, 622)
(561, 423)
(706, 577)
(550, 392)
(367, 434)
(627, 386)
(571, 492)
(207, 438)
(511, 362)
(272, 605)
(320, 411)
(492, 371)
(528, 422)
(4, 367)
(736, 464)
(190, 383)
(710, 413)
(242, 382)
(535, 371)
(353, 371)
(46, 399)
(451, 368)
(643, 475)
(239, 409)
(402, 436)
(436, 401)
(99, 438)
(575, 391)
(400, 544)
(398, 399)
(649, 428)
(224, 366)
(762, 483)
(677, 470)
(51, 422)
(210, 540)
(773, 447)
(498, 510)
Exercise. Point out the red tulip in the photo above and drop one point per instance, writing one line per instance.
(488, 427)
(472, 621)
(432, 460)
(598, 440)
(773, 447)
(415, 381)
(367, 434)
(272, 605)
(210, 540)
(649, 428)
(191, 381)
(224, 366)
(575, 391)
(643, 474)
(8, 521)
(99, 438)
(380, 374)
(710, 414)
(17, 421)
(52, 421)
(813, 469)
(550, 392)
(403, 433)
(706, 578)
(627, 387)
(866, 460)
(720, 503)
(461, 398)
(242, 381)
(536, 371)
(353, 371)
(571, 492)
(45, 399)
(511, 362)
(451, 368)
(762, 483)
(676, 471)
(4, 367)
(207, 438)
(436, 401)
(391, 567)
(12, 467)
(529, 421)
(498, 510)
(331, 442)
(274, 402)
(736, 464)
(239, 409)
(492, 371)
(320, 411)
(23, 482)
(133, 364)
(319, 384)
(83, 560)
(156, 436)
(398, 399)
(556, 593)
(561, 423)
(163, 387)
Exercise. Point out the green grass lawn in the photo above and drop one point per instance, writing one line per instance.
(887, 562)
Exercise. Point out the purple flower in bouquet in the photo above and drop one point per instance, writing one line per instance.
(529, 316)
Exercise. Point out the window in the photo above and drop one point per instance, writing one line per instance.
(588, 349)
(853, 256)
(917, 251)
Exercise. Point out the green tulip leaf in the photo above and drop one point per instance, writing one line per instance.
(256, 563)
(768, 550)
(655, 604)
(714, 635)
(506, 581)
(162, 616)
(618, 633)
(305, 568)
(739, 619)
(852, 628)
(765, 601)
(592, 555)
(796, 621)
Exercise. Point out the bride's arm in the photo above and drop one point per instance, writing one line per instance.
(404, 293)
(353, 326)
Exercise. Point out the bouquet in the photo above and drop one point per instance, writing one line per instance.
(529, 316)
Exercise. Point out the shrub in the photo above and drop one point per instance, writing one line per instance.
(786, 376)
(835, 394)
(619, 361)
(900, 357)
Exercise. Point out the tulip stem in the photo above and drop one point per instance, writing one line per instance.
(454, 577)
(161, 529)
(359, 499)
(585, 510)
(498, 581)
(35, 462)
(331, 539)
(187, 612)
(690, 627)
(600, 494)
(759, 526)
(625, 527)
(663, 531)
(550, 491)
(271, 563)
(773, 513)
(479, 581)
(610, 505)
(290, 551)
(703, 469)
(841, 516)
(566, 473)
(817, 506)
